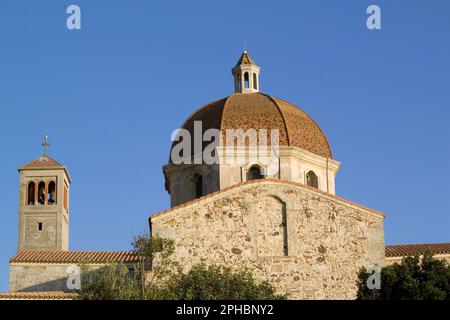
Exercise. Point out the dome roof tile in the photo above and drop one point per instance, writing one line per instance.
(261, 111)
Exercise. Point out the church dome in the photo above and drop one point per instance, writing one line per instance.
(246, 127)
(260, 111)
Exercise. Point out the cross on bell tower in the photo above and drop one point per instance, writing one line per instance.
(46, 144)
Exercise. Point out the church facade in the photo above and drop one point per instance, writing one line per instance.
(281, 219)
(306, 242)
(276, 214)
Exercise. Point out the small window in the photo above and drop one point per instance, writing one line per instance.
(41, 193)
(246, 80)
(31, 193)
(52, 193)
(255, 82)
(238, 87)
(254, 173)
(312, 180)
(284, 228)
(40, 226)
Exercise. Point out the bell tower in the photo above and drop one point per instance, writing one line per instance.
(44, 204)
(246, 75)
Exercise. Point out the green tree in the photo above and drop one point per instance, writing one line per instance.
(109, 282)
(156, 263)
(217, 283)
(157, 276)
(128, 282)
(414, 278)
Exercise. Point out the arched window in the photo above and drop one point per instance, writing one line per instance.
(31, 193)
(255, 82)
(254, 173)
(238, 83)
(246, 80)
(41, 192)
(198, 182)
(311, 179)
(271, 227)
(52, 193)
(284, 228)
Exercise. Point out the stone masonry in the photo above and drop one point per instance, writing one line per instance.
(38, 277)
(307, 243)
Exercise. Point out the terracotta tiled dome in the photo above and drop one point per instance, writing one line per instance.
(260, 111)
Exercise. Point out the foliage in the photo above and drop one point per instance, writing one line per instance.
(415, 278)
(109, 282)
(156, 253)
(158, 276)
(217, 283)
(155, 263)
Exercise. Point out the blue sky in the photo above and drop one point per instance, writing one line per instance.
(110, 94)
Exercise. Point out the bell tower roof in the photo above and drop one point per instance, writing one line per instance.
(246, 75)
(245, 59)
(44, 162)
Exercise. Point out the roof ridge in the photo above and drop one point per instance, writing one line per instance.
(261, 181)
(313, 121)
(417, 244)
(38, 295)
(52, 256)
(222, 115)
(69, 251)
(52, 159)
(400, 250)
(282, 116)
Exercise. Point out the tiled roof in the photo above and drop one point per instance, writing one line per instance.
(42, 163)
(263, 181)
(245, 59)
(417, 249)
(47, 295)
(37, 256)
(260, 111)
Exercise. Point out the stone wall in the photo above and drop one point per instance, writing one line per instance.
(307, 243)
(44, 238)
(54, 219)
(38, 277)
(31, 277)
